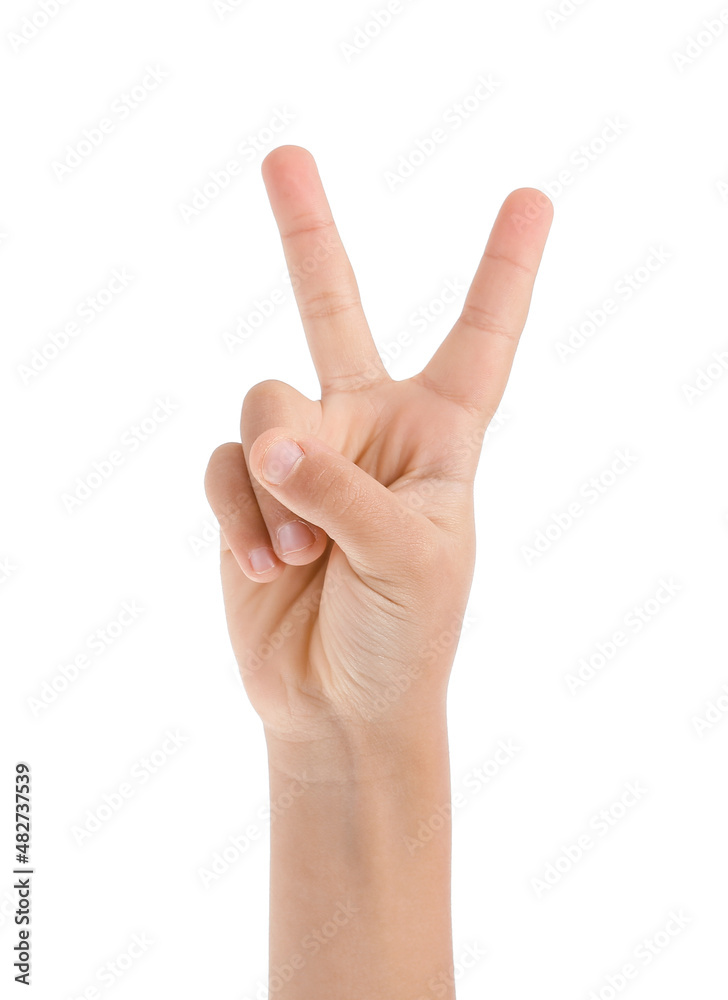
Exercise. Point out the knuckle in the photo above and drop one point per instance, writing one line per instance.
(345, 491)
(328, 303)
(486, 321)
(262, 393)
(368, 376)
(512, 262)
(345, 488)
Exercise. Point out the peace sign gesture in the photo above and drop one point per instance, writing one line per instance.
(347, 522)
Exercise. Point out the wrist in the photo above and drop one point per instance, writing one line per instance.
(342, 752)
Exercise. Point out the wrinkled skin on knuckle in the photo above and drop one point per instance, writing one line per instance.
(342, 489)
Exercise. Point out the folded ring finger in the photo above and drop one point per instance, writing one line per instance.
(275, 404)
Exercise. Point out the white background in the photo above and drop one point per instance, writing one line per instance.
(145, 534)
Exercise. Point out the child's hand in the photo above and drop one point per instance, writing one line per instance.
(347, 523)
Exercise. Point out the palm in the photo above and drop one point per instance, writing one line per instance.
(314, 630)
(387, 431)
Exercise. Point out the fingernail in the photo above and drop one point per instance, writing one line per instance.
(295, 536)
(279, 460)
(262, 559)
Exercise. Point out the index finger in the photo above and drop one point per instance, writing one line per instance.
(326, 291)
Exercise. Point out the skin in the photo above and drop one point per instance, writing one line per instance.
(345, 645)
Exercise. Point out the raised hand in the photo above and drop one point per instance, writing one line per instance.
(347, 522)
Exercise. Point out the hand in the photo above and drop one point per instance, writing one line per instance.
(347, 526)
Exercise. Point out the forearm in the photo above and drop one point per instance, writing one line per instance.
(358, 909)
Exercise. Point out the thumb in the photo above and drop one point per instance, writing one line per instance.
(378, 533)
